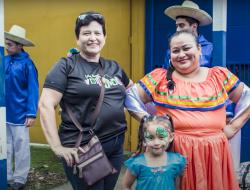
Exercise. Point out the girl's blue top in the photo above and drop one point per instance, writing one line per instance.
(156, 178)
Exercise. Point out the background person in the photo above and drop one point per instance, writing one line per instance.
(22, 91)
(194, 96)
(76, 82)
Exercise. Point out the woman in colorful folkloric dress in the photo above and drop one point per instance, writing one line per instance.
(195, 98)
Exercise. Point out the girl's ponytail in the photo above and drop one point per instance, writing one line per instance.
(170, 82)
(140, 147)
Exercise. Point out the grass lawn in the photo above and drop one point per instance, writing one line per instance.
(46, 170)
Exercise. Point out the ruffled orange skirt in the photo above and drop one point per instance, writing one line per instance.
(209, 161)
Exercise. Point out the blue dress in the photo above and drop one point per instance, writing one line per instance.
(156, 178)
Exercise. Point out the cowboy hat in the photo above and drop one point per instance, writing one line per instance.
(190, 9)
(18, 34)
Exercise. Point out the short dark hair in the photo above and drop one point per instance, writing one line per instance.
(190, 20)
(85, 18)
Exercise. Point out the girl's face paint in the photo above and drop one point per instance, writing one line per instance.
(161, 132)
(157, 139)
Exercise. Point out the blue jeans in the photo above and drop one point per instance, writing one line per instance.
(114, 151)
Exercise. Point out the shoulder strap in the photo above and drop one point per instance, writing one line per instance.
(100, 99)
(94, 115)
(72, 117)
(68, 61)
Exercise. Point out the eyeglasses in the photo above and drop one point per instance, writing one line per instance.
(93, 15)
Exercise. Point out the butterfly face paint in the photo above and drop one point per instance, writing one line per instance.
(157, 138)
(161, 132)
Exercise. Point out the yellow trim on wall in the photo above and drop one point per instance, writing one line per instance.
(138, 54)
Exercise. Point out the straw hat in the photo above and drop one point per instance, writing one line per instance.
(18, 34)
(190, 9)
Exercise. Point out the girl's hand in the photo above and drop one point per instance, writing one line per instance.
(68, 154)
(229, 131)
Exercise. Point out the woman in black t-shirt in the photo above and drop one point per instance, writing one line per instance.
(75, 81)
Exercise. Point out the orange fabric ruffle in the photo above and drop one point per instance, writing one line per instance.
(209, 162)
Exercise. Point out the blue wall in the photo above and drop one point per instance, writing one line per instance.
(238, 55)
(238, 30)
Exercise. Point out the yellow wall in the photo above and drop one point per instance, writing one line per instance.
(137, 63)
(50, 25)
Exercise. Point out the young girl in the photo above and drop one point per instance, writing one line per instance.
(152, 166)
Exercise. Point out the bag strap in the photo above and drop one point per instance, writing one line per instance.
(100, 99)
(94, 115)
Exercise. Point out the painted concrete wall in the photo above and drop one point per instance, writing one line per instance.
(238, 56)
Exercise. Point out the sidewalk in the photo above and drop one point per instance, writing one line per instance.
(67, 186)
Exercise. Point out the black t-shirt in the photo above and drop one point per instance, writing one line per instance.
(79, 82)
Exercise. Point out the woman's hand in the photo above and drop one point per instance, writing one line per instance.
(68, 154)
(229, 131)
